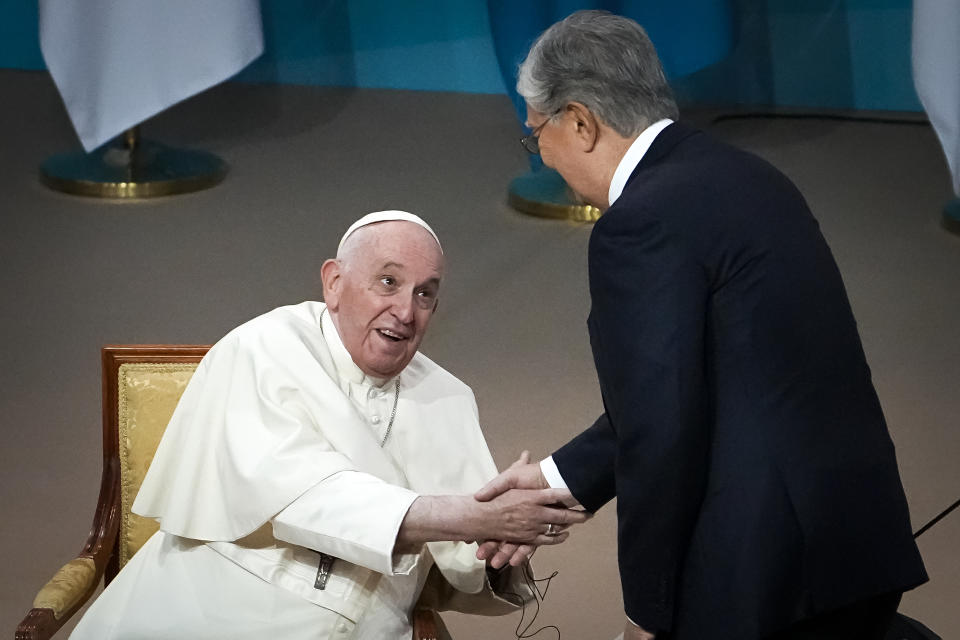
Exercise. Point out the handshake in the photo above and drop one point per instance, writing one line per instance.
(510, 517)
(526, 513)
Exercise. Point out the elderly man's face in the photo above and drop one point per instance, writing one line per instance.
(382, 294)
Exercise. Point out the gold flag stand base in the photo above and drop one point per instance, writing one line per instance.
(543, 193)
(951, 216)
(132, 168)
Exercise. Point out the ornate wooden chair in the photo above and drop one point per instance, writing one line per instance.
(141, 387)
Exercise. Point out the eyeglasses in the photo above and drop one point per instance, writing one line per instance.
(531, 143)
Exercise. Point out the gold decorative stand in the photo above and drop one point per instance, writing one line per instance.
(544, 193)
(130, 167)
(951, 216)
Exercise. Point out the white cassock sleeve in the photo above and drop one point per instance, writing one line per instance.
(353, 516)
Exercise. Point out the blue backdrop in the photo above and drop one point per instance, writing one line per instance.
(688, 34)
(813, 53)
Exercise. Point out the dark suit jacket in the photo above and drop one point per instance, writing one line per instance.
(756, 481)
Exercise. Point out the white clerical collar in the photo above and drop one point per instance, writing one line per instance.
(347, 369)
(632, 158)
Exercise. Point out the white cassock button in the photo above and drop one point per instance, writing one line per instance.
(375, 419)
(372, 393)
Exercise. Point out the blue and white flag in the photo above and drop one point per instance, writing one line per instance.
(936, 73)
(118, 62)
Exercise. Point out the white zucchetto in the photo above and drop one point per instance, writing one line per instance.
(387, 216)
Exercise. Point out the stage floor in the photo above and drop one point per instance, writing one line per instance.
(305, 162)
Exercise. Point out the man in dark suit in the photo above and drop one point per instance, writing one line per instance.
(757, 486)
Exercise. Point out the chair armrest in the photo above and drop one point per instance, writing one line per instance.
(425, 625)
(65, 593)
(76, 581)
(67, 588)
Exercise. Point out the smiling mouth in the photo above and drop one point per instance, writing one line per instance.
(390, 335)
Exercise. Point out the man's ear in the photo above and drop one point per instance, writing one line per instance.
(587, 128)
(331, 274)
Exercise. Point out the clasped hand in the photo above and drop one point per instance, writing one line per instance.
(529, 514)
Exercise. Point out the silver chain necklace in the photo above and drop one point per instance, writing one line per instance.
(393, 414)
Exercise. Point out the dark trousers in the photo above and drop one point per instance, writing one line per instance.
(865, 620)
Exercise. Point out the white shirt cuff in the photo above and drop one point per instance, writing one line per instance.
(552, 475)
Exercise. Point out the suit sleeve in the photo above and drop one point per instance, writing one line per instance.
(647, 324)
(586, 464)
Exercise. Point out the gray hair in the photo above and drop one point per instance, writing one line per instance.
(603, 61)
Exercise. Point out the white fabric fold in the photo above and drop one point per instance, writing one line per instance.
(118, 63)
(244, 441)
(265, 420)
(335, 517)
(936, 53)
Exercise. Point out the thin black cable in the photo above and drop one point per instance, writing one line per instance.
(937, 519)
(523, 631)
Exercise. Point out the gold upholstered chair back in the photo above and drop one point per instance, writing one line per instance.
(147, 393)
(142, 385)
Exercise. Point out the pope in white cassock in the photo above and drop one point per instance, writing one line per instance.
(317, 476)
